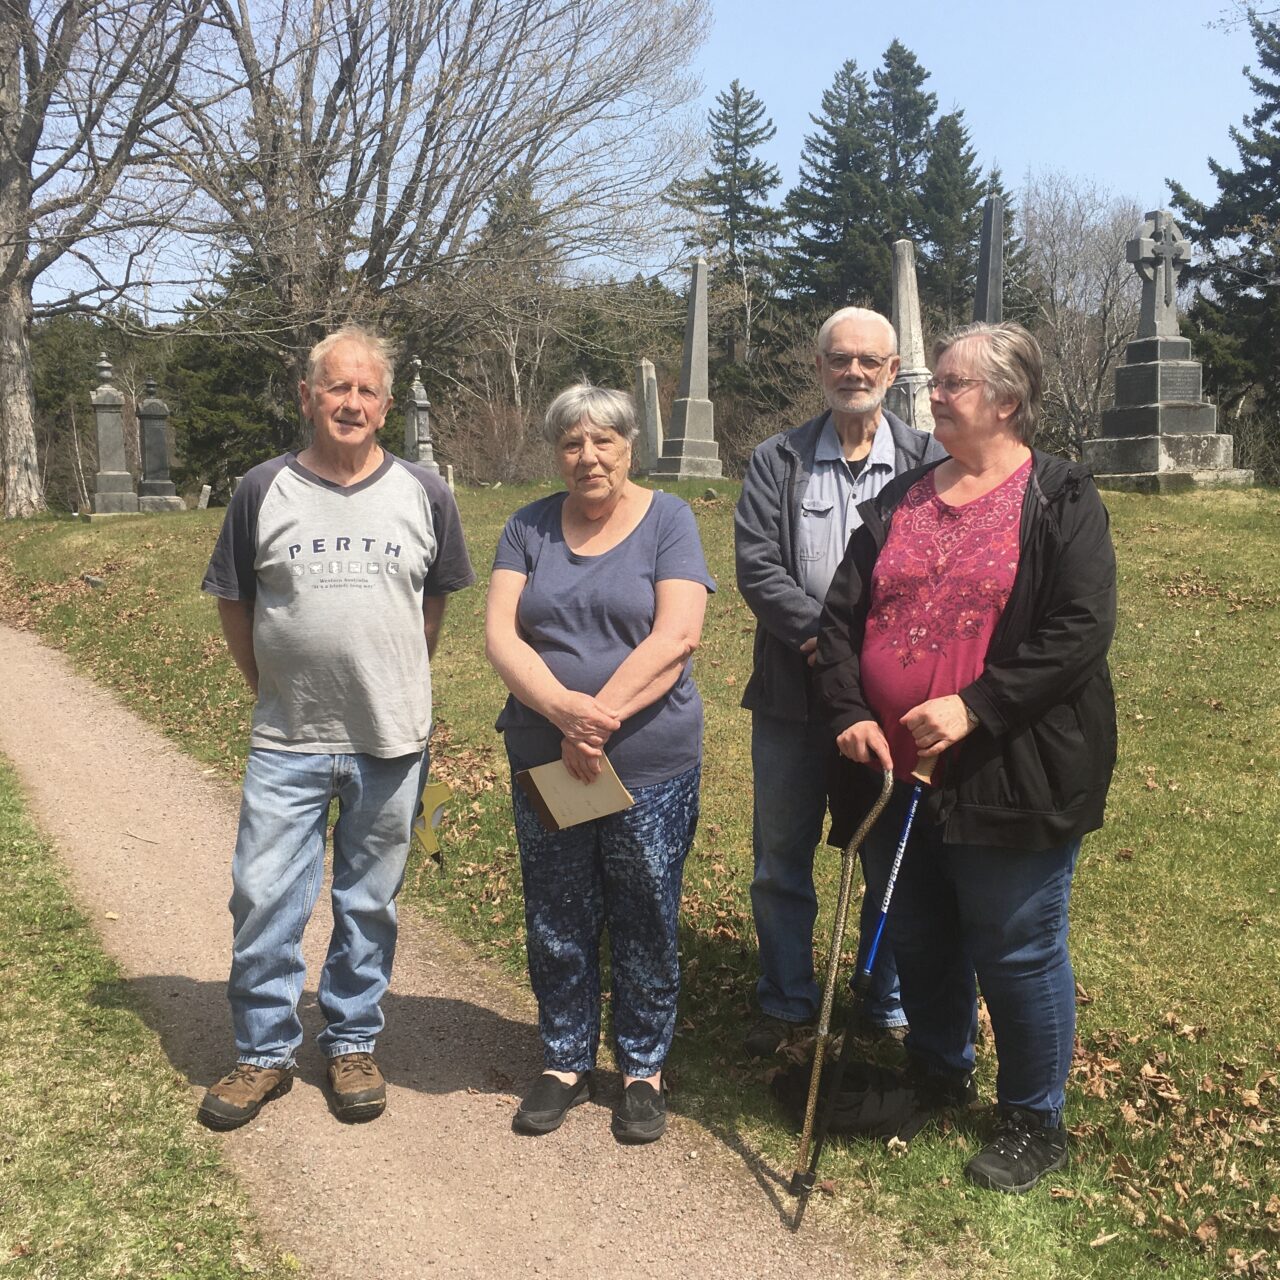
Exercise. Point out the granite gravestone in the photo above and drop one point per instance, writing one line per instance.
(113, 492)
(649, 413)
(988, 299)
(909, 395)
(417, 424)
(1162, 434)
(156, 491)
(689, 449)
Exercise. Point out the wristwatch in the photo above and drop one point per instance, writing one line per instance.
(974, 722)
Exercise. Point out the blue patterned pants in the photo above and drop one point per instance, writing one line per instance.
(623, 871)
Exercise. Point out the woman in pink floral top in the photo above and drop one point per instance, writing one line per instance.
(970, 620)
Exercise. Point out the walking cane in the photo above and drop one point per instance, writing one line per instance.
(805, 1173)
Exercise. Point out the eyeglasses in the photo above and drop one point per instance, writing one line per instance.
(952, 386)
(842, 361)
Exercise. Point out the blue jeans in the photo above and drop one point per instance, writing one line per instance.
(623, 871)
(789, 765)
(276, 876)
(967, 915)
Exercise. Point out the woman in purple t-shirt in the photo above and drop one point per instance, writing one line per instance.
(970, 619)
(595, 607)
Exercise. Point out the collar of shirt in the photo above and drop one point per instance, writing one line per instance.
(830, 449)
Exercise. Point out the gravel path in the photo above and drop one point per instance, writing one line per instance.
(439, 1186)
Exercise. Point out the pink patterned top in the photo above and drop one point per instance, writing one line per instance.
(939, 585)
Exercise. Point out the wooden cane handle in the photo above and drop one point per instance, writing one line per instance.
(924, 768)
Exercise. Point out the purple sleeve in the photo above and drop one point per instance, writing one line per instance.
(679, 547)
(231, 575)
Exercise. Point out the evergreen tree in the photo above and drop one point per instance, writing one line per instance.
(860, 182)
(950, 227)
(840, 255)
(1235, 319)
(733, 221)
(730, 199)
(903, 135)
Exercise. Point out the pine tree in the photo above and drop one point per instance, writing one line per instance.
(730, 199)
(950, 226)
(733, 221)
(903, 134)
(1235, 319)
(860, 181)
(840, 254)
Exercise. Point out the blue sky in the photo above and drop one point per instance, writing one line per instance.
(1124, 93)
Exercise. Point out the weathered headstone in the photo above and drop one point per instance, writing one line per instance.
(113, 492)
(448, 475)
(689, 448)
(909, 395)
(988, 301)
(156, 491)
(649, 413)
(1162, 433)
(417, 423)
(206, 492)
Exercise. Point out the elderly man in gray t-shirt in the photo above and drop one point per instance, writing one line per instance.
(798, 507)
(332, 572)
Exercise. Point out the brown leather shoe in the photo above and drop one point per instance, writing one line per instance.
(238, 1097)
(358, 1089)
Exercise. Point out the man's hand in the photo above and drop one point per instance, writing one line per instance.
(938, 724)
(810, 649)
(584, 720)
(582, 761)
(864, 743)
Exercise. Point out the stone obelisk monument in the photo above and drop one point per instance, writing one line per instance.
(417, 424)
(689, 448)
(1162, 433)
(909, 396)
(988, 299)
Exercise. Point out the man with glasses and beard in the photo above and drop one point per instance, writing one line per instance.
(798, 508)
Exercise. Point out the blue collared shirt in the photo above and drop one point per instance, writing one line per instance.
(829, 504)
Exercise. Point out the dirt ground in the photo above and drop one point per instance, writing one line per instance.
(440, 1185)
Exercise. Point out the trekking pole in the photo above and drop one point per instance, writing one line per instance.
(804, 1177)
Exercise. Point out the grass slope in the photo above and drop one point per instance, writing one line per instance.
(1173, 1099)
(104, 1170)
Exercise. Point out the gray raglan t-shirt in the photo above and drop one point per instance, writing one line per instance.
(337, 577)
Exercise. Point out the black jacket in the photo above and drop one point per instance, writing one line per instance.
(1035, 773)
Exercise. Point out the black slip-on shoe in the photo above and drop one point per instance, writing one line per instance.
(543, 1108)
(641, 1116)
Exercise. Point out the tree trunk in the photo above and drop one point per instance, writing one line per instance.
(23, 491)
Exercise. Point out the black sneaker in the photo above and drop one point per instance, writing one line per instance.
(543, 1108)
(767, 1035)
(641, 1116)
(1020, 1154)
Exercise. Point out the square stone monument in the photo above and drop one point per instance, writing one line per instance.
(156, 492)
(1162, 434)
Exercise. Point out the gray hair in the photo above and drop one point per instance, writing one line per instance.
(377, 348)
(613, 410)
(855, 313)
(1011, 365)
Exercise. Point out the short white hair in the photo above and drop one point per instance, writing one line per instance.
(855, 313)
(613, 410)
(378, 349)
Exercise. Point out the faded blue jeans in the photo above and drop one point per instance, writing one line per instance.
(968, 915)
(276, 876)
(623, 871)
(789, 764)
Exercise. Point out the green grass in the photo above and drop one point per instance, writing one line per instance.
(1173, 1101)
(103, 1169)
